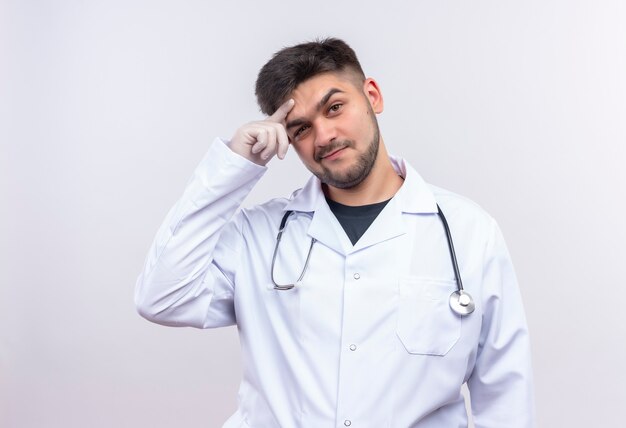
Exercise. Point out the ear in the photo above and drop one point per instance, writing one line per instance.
(373, 94)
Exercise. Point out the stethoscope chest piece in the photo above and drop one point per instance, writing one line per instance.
(462, 303)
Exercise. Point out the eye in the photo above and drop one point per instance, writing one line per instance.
(300, 130)
(335, 108)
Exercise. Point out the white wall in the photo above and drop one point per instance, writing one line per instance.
(106, 107)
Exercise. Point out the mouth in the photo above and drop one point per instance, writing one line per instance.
(333, 154)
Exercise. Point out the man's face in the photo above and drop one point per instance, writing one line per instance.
(333, 127)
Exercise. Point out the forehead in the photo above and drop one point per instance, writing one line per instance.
(311, 90)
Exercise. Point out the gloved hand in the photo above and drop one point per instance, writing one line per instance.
(259, 141)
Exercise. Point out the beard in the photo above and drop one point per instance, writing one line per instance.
(357, 172)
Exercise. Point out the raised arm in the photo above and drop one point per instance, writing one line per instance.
(188, 276)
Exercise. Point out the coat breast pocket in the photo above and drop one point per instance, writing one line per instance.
(426, 323)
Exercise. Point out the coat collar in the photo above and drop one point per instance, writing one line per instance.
(413, 197)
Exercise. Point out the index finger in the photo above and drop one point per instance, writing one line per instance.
(281, 113)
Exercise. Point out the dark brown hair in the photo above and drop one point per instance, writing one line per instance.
(293, 65)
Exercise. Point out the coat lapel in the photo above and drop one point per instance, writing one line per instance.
(387, 225)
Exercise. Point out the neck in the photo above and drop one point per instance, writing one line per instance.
(381, 184)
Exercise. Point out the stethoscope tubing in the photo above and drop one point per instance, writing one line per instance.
(460, 301)
(455, 264)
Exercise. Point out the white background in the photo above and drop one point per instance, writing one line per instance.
(106, 108)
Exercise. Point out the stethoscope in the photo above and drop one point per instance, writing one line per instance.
(460, 300)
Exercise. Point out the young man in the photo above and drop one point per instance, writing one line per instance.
(354, 316)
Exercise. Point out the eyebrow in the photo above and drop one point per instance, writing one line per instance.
(320, 105)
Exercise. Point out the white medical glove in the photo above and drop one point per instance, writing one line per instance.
(259, 141)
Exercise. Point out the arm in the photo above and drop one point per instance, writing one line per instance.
(189, 274)
(187, 278)
(501, 387)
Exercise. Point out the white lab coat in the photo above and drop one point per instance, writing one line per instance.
(367, 339)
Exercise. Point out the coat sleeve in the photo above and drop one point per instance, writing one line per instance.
(189, 274)
(501, 385)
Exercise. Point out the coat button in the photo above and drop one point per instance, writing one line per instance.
(347, 422)
(353, 347)
(357, 276)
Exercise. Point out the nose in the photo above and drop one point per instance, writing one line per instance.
(325, 132)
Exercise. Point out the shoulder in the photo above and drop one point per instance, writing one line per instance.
(456, 201)
(462, 211)
(266, 214)
(269, 207)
